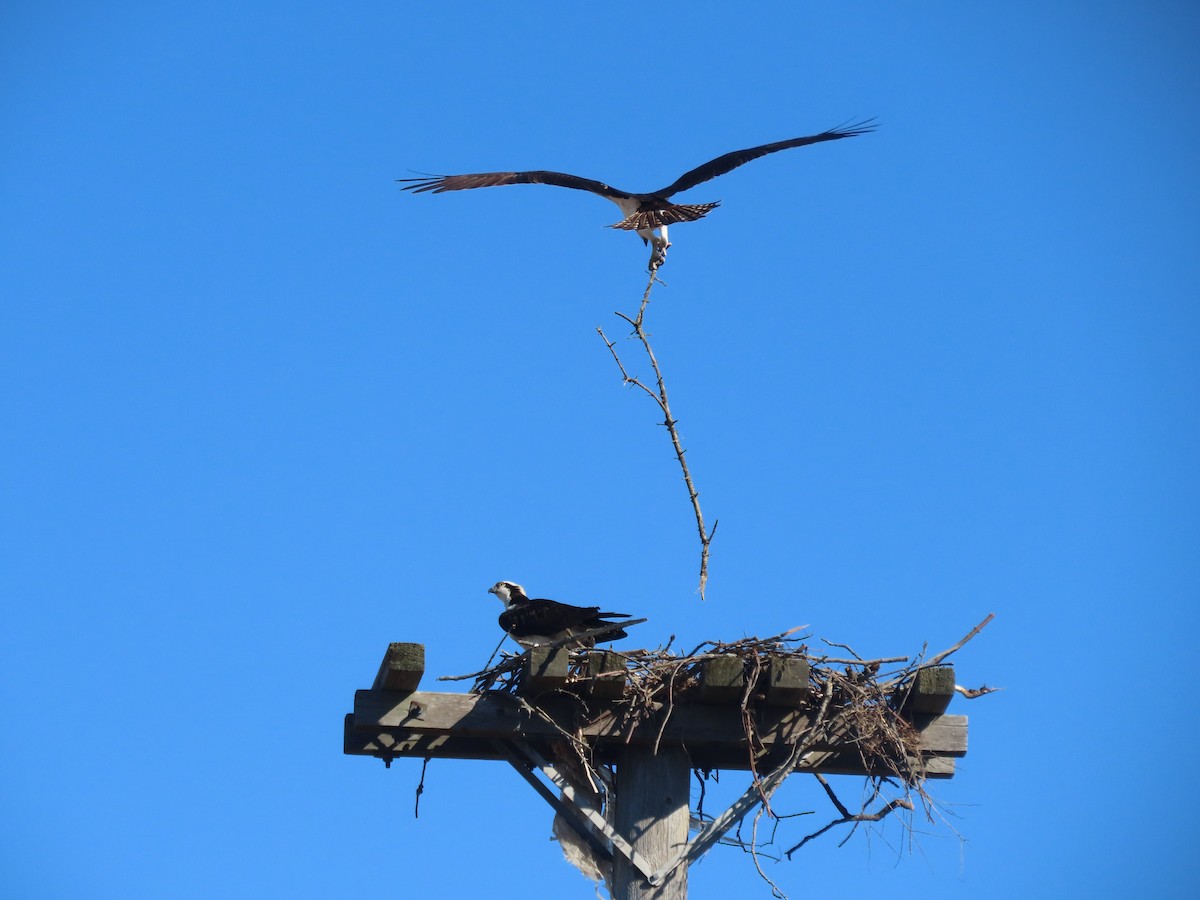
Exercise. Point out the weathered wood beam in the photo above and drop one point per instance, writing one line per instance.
(448, 725)
(388, 744)
(402, 667)
(501, 715)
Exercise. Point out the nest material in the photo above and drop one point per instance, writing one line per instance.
(855, 704)
(863, 706)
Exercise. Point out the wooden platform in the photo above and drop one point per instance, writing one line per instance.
(394, 719)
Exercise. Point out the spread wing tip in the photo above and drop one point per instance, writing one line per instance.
(435, 183)
(866, 126)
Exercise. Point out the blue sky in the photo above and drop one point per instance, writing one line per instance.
(265, 414)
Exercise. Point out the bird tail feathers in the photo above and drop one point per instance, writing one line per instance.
(668, 215)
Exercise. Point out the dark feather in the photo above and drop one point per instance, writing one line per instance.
(731, 161)
(543, 616)
(441, 183)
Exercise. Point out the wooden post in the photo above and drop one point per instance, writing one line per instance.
(545, 670)
(930, 691)
(609, 686)
(402, 668)
(787, 681)
(723, 679)
(652, 812)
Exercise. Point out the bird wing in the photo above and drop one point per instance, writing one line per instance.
(731, 161)
(536, 615)
(540, 616)
(440, 183)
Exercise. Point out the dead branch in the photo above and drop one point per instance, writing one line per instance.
(970, 634)
(865, 663)
(845, 647)
(909, 671)
(776, 891)
(507, 659)
(846, 816)
(659, 396)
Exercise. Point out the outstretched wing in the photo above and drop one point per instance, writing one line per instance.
(731, 161)
(440, 183)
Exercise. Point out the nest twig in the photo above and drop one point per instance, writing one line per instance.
(659, 395)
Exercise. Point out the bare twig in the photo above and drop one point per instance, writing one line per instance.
(776, 891)
(832, 796)
(970, 634)
(420, 790)
(659, 396)
(498, 668)
(934, 660)
(866, 663)
(888, 808)
(845, 647)
(494, 652)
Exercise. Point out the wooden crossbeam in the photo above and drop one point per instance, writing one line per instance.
(393, 719)
(425, 723)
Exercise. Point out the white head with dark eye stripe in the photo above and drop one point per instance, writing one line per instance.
(508, 592)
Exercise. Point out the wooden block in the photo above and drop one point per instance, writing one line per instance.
(787, 681)
(608, 687)
(722, 679)
(401, 669)
(930, 692)
(544, 670)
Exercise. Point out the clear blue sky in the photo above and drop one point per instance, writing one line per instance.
(264, 413)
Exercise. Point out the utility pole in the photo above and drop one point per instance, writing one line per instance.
(652, 804)
(644, 835)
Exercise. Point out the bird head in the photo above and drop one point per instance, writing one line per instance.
(509, 592)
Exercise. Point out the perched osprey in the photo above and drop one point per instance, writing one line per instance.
(643, 212)
(533, 622)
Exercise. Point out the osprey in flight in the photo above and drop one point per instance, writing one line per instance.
(533, 622)
(644, 213)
